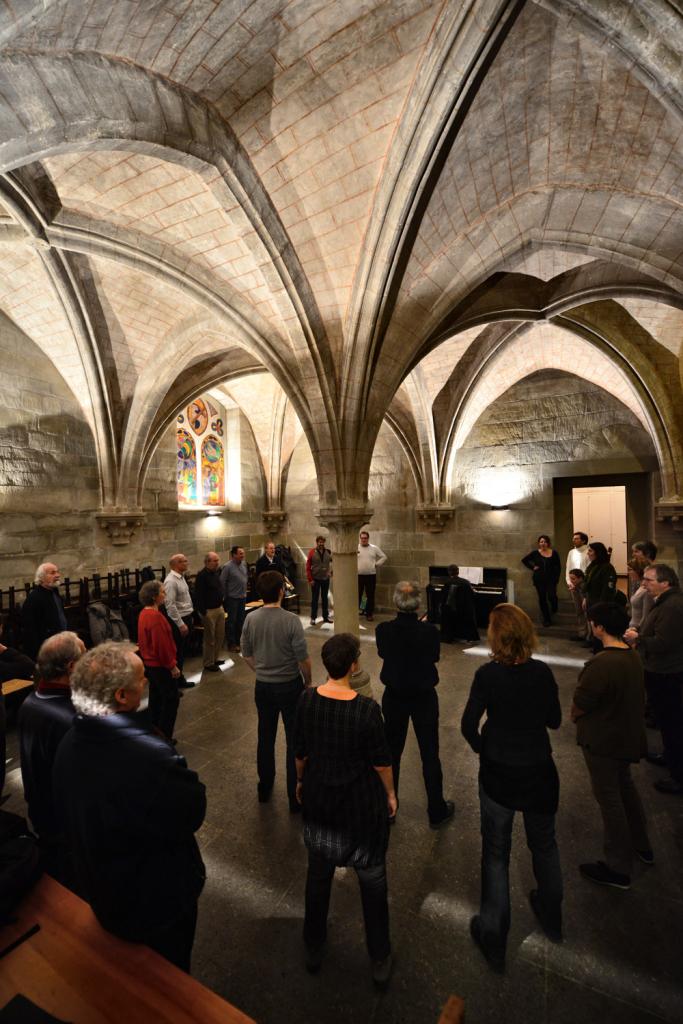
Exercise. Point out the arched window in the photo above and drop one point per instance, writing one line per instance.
(207, 457)
(187, 467)
(213, 472)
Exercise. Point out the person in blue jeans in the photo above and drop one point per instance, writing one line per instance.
(516, 773)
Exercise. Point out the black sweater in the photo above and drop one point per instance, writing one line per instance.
(521, 702)
(544, 571)
(410, 650)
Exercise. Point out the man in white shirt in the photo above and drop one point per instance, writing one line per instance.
(578, 559)
(180, 610)
(370, 557)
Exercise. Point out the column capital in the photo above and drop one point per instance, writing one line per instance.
(120, 524)
(344, 522)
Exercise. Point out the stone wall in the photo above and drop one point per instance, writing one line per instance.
(549, 425)
(49, 488)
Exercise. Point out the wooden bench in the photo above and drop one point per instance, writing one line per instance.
(75, 970)
(15, 685)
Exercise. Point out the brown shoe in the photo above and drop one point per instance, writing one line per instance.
(370, 618)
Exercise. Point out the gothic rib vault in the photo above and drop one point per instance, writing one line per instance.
(358, 214)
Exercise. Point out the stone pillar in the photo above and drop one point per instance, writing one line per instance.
(343, 523)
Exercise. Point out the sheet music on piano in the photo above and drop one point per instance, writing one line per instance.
(474, 574)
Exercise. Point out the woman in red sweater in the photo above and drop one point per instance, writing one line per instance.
(158, 651)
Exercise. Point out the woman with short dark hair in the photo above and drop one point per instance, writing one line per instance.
(346, 787)
(158, 652)
(546, 569)
(516, 773)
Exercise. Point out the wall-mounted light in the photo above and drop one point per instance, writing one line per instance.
(500, 508)
(499, 486)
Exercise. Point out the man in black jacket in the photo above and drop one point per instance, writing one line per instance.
(410, 650)
(42, 614)
(659, 641)
(130, 808)
(208, 600)
(269, 561)
(44, 719)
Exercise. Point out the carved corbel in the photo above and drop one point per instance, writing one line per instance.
(274, 519)
(435, 517)
(670, 510)
(120, 524)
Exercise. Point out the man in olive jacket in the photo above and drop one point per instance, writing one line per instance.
(659, 641)
(608, 711)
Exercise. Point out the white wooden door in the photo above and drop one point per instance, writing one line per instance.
(601, 513)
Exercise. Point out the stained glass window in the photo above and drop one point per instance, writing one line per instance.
(213, 472)
(186, 474)
(207, 436)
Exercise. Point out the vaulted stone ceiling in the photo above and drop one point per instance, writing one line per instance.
(367, 200)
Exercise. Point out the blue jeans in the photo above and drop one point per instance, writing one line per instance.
(496, 834)
(236, 613)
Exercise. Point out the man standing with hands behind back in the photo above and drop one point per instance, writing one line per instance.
(370, 557)
(274, 645)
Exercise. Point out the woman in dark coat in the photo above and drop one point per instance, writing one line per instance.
(600, 582)
(346, 787)
(546, 569)
(516, 773)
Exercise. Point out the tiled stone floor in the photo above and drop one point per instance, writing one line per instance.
(621, 959)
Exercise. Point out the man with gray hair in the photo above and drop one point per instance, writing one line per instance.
(130, 808)
(44, 719)
(179, 610)
(659, 641)
(42, 614)
(410, 650)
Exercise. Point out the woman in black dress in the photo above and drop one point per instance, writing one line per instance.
(516, 773)
(346, 787)
(545, 566)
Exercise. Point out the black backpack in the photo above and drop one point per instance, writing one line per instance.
(20, 866)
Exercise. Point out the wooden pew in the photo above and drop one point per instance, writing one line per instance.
(15, 685)
(77, 971)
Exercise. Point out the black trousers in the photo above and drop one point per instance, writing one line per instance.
(665, 695)
(423, 710)
(273, 700)
(547, 600)
(175, 942)
(367, 584)
(319, 588)
(164, 699)
(182, 643)
(373, 894)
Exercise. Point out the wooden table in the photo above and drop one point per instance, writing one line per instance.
(81, 973)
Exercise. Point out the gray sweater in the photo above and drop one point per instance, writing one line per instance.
(275, 639)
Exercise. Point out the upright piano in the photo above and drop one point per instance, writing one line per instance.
(492, 590)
